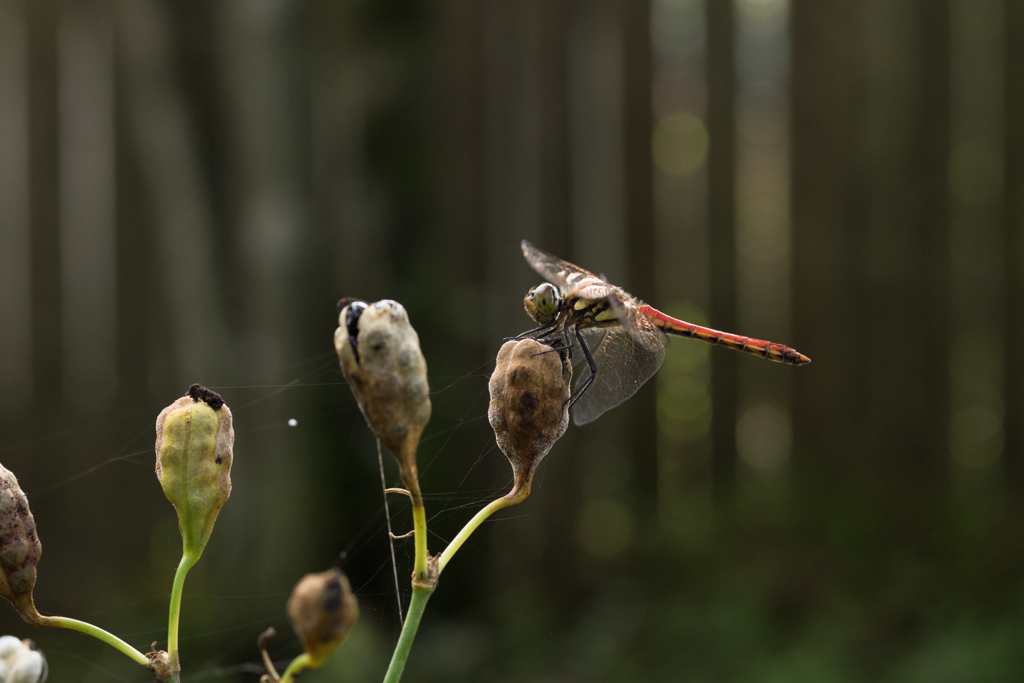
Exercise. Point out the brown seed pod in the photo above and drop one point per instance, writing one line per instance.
(19, 547)
(379, 353)
(322, 609)
(529, 409)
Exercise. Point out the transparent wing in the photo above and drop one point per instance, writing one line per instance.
(639, 326)
(623, 365)
(553, 269)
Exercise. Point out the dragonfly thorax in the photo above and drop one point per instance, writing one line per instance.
(587, 313)
(543, 303)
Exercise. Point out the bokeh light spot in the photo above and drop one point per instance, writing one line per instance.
(764, 436)
(976, 436)
(975, 171)
(679, 144)
(684, 408)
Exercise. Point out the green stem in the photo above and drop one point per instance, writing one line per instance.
(420, 595)
(298, 664)
(516, 495)
(98, 633)
(186, 563)
(421, 589)
(419, 527)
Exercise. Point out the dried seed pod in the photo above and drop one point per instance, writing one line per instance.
(194, 440)
(322, 609)
(529, 407)
(19, 547)
(380, 355)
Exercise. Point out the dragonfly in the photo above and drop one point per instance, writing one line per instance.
(623, 340)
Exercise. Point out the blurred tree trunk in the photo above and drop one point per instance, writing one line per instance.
(870, 133)
(639, 224)
(908, 261)
(41, 19)
(828, 229)
(1014, 246)
(721, 78)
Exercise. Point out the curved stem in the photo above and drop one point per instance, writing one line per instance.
(186, 563)
(420, 595)
(98, 633)
(516, 495)
(297, 665)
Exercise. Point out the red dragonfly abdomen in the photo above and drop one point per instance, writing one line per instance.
(780, 353)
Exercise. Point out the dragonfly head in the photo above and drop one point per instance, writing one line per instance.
(542, 303)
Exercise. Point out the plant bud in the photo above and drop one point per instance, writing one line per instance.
(19, 547)
(20, 661)
(9, 647)
(380, 356)
(322, 610)
(194, 439)
(529, 407)
(28, 666)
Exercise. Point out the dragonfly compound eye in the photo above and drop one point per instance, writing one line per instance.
(542, 303)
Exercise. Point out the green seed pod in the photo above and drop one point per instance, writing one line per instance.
(194, 440)
(19, 547)
(529, 407)
(380, 357)
(322, 609)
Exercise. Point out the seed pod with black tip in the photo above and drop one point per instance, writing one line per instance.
(194, 441)
(529, 408)
(19, 547)
(322, 609)
(380, 356)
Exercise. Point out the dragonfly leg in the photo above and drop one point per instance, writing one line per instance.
(590, 363)
(565, 343)
(535, 332)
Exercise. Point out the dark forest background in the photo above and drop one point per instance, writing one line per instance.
(187, 188)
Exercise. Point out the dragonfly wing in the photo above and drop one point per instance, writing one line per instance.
(639, 326)
(553, 269)
(623, 365)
